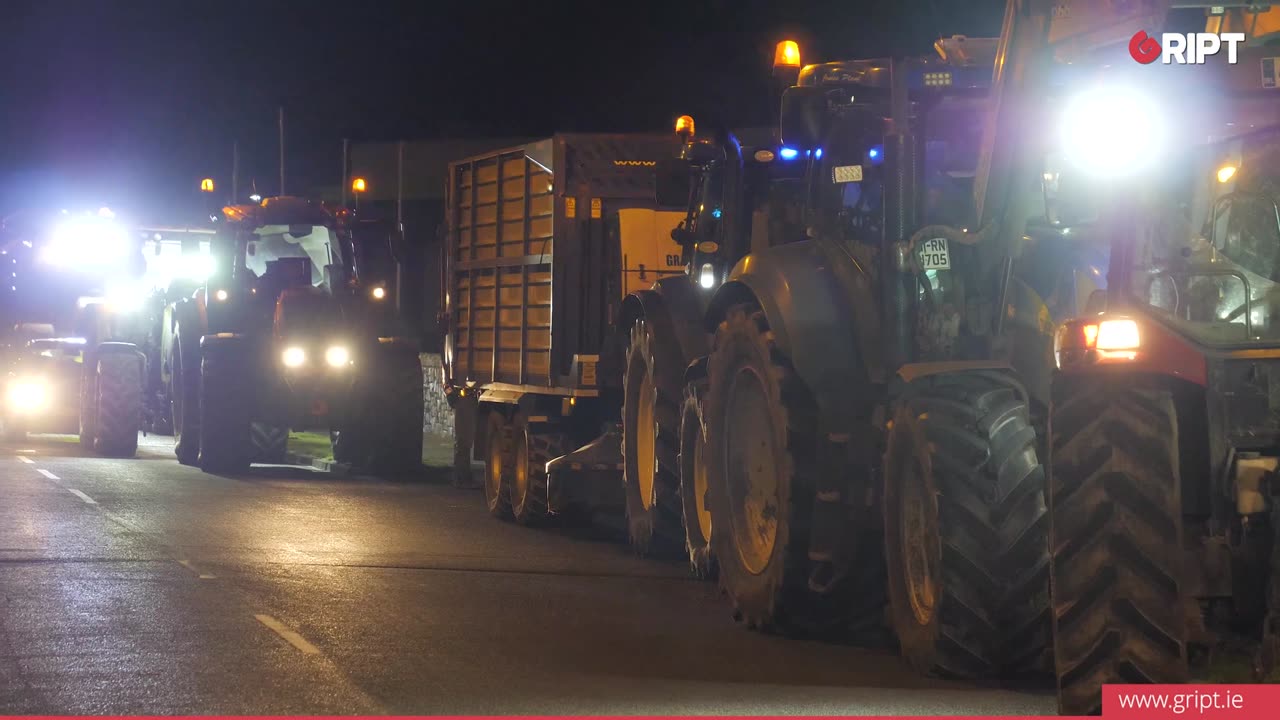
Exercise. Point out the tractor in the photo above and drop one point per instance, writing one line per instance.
(72, 356)
(1165, 438)
(285, 333)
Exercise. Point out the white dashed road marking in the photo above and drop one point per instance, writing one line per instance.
(25, 459)
(202, 575)
(47, 474)
(87, 500)
(290, 636)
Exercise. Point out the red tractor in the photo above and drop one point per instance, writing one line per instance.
(1165, 423)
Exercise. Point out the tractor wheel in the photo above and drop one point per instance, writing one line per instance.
(650, 448)
(394, 413)
(118, 406)
(966, 528)
(531, 449)
(270, 442)
(88, 407)
(224, 410)
(1118, 605)
(762, 447)
(497, 466)
(694, 506)
(184, 394)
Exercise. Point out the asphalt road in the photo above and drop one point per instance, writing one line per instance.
(143, 587)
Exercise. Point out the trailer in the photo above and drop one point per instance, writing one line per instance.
(544, 241)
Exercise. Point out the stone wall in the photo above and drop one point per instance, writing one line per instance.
(437, 416)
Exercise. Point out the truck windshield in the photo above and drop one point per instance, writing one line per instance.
(1210, 262)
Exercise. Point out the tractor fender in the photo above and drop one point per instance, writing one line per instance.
(675, 305)
(824, 315)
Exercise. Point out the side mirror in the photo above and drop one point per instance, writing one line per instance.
(805, 116)
(672, 176)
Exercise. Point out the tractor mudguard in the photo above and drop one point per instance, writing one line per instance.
(675, 305)
(824, 316)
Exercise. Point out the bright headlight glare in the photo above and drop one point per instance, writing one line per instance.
(221, 295)
(126, 297)
(1112, 131)
(293, 357)
(379, 293)
(707, 278)
(337, 356)
(1116, 335)
(28, 395)
(86, 242)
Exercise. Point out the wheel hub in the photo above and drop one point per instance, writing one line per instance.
(751, 462)
(700, 486)
(520, 473)
(920, 549)
(646, 440)
(493, 469)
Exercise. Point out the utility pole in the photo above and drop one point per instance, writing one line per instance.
(235, 171)
(346, 172)
(280, 122)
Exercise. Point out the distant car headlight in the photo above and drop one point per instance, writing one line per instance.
(337, 356)
(28, 395)
(379, 293)
(293, 357)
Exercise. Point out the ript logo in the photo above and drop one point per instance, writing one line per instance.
(1182, 49)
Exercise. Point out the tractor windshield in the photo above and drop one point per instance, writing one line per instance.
(315, 243)
(1210, 261)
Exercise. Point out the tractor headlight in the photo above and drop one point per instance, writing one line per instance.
(28, 395)
(126, 297)
(293, 357)
(1112, 131)
(337, 356)
(87, 243)
(378, 293)
(220, 295)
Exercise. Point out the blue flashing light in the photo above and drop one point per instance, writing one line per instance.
(818, 153)
(716, 213)
(787, 153)
(876, 154)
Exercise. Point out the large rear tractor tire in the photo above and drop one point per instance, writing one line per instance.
(532, 447)
(184, 393)
(1119, 608)
(966, 528)
(224, 410)
(694, 480)
(395, 411)
(270, 442)
(118, 405)
(650, 446)
(763, 446)
(497, 466)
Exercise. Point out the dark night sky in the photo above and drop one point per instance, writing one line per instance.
(130, 101)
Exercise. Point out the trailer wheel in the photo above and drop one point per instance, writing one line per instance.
(270, 442)
(497, 466)
(694, 503)
(966, 528)
(531, 450)
(184, 394)
(762, 445)
(118, 405)
(224, 410)
(1118, 604)
(650, 446)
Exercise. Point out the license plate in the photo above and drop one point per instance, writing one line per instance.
(934, 254)
(847, 174)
